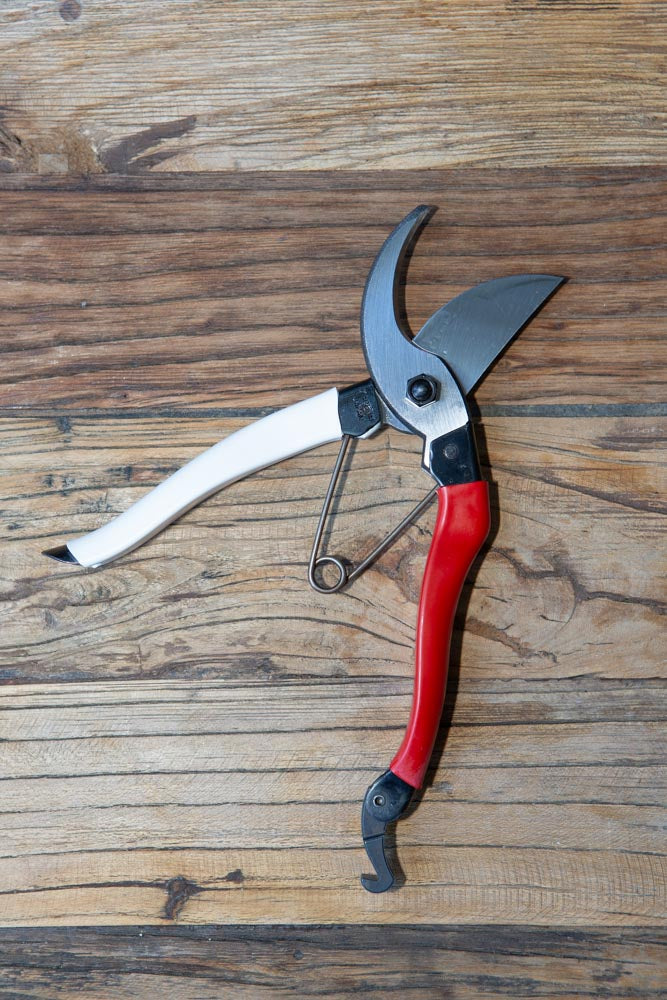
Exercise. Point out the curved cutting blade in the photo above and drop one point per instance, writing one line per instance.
(472, 330)
(392, 358)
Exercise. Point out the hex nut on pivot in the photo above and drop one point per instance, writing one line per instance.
(422, 389)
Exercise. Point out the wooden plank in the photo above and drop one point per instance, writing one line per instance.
(123, 295)
(198, 963)
(92, 86)
(231, 781)
(299, 860)
(221, 781)
(567, 593)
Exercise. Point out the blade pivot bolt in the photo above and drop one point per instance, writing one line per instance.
(422, 389)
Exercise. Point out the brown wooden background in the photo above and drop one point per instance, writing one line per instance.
(187, 734)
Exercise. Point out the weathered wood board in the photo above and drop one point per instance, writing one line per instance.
(186, 735)
(257, 963)
(220, 780)
(125, 294)
(240, 763)
(247, 810)
(103, 85)
(570, 585)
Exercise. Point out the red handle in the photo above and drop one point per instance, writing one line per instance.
(460, 530)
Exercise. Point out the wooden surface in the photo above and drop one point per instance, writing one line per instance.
(178, 294)
(89, 86)
(187, 734)
(438, 963)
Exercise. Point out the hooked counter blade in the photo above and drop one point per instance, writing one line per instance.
(391, 357)
(472, 330)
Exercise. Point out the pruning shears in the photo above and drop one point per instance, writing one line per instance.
(418, 386)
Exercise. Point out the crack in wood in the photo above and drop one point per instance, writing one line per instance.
(124, 158)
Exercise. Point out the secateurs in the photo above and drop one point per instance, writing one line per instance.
(418, 386)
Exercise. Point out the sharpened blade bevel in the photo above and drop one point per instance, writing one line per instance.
(471, 332)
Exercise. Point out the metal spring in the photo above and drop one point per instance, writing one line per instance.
(345, 575)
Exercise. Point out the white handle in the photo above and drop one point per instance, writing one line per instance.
(280, 435)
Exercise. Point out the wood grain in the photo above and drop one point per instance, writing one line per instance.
(220, 780)
(239, 765)
(453, 963)
(89, 86)
(147, 293)
(568, 587)
(116, 798)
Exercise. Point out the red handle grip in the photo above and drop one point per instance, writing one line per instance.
(461, 527)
